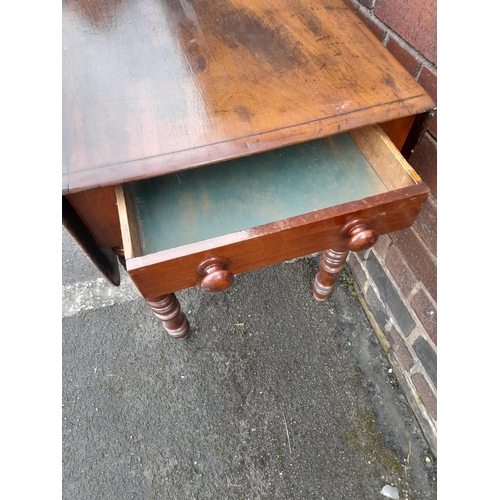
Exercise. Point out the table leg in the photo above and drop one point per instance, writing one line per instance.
(167, 308)
(331, 263)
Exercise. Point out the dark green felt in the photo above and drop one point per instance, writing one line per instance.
(202, 203)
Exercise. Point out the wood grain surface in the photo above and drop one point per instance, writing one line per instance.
(157, 86)
(176, 269)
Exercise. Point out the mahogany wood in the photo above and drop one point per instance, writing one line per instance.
(360, 236)
(416, 133)
(97, 209)
(159, 86)
(176, 269)
(168, 310)
(216, 277)
(102, 257)
(398, 130)
(331, 263)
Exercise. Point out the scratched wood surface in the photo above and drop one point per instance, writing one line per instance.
(157, 86)
(175, 269)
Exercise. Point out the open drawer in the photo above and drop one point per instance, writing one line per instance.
(263, 209)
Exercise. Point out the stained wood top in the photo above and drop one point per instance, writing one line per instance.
(157, 86)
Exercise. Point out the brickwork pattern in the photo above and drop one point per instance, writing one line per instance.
(397, 276)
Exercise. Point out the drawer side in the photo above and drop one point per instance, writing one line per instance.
(128, 222)
(385, 158)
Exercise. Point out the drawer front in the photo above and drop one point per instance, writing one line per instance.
(156, 272)
(176, 269)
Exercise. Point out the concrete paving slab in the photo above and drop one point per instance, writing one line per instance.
(272, 396)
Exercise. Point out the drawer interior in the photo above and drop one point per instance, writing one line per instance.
(199, 204)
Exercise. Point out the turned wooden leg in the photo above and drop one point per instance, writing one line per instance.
(359, 237)
(168, 309)
(330, 266)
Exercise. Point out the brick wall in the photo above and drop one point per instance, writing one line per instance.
(398, 275)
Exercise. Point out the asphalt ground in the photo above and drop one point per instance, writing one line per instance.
(272, 396)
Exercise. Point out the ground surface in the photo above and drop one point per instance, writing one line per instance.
(272, 396)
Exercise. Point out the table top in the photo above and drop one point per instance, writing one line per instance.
(157, 86)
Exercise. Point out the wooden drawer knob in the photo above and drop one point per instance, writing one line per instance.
(216, 276)
(360, 236)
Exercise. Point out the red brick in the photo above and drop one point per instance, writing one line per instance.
(426, 224)
(400, 350)
(376, 30)
(424, 161)
(426, 313)
(390, 295)
(427, 396)
(402, 274)
(403, 56)
(428, 80)
(415, 22)
(417, 258)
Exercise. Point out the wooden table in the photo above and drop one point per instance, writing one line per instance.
(299, 116)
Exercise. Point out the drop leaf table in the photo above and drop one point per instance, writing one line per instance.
(205, 139)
